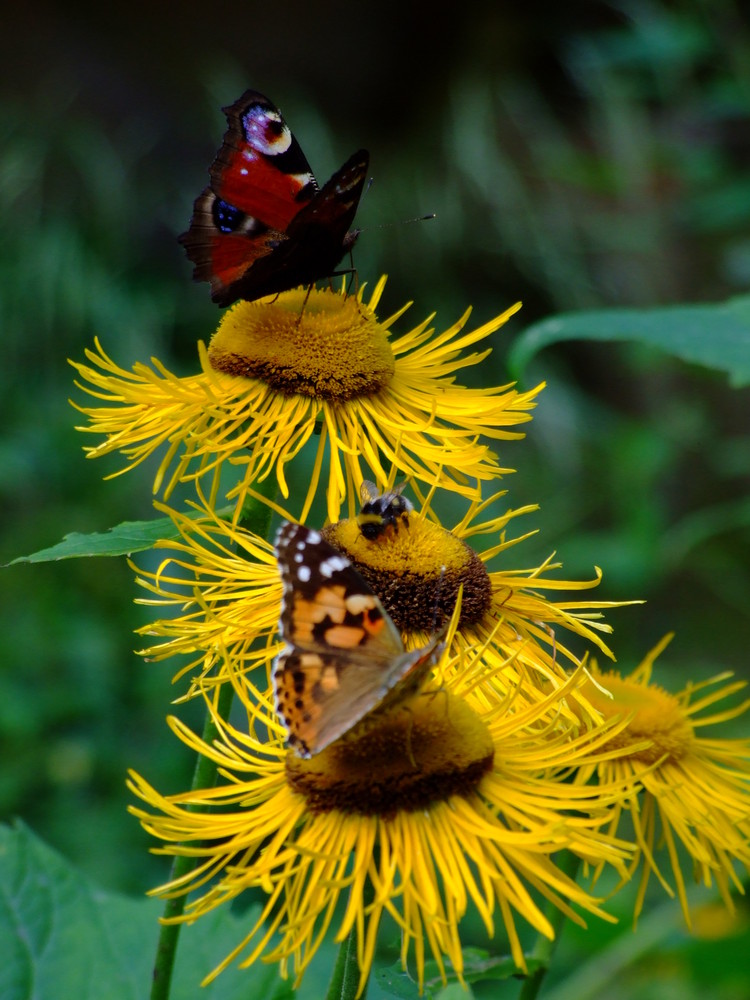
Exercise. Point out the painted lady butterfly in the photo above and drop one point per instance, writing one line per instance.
(379, 512)
(343, 656)
(262, 225)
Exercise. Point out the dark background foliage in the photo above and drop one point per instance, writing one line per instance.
(577, 155)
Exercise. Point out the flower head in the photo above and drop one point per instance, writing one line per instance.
(438, 804)
(689, 791)
(417, 572)
(279, 372)
(224, 585)
(226, 590)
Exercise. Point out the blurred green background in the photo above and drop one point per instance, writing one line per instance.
(577, 155)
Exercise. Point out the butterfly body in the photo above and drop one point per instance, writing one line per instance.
(343, 657)
(263, 225)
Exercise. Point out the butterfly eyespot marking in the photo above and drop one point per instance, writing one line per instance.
(265, 130)
(301, 230)
(226, 216)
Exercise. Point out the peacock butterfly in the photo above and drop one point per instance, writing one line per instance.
(263, 225)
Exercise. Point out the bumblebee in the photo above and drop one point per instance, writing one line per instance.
(380, 512)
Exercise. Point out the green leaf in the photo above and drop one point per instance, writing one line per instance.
(64, 937)
(137, 536)
(122, 540)
(455, 992)
(395, 982)
(715, 336)
(478, 965)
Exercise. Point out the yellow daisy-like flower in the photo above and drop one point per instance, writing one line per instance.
(691, 791)
(227, 621)
(278, 371)
(506, 605)
(225, 582)
(436, 805)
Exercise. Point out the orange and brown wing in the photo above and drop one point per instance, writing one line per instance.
(321, 695)
(343, 653)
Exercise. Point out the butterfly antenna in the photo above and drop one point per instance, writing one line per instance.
(400, 222)
(552, 636)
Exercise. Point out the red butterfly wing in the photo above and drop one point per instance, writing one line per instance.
(260, 169)
(262, 226)
(316, 240)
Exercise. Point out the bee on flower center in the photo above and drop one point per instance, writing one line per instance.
(381, 512)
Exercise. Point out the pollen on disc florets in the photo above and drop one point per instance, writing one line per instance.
(655, 715)
(320, 344)
(416, 571)
(419, 752)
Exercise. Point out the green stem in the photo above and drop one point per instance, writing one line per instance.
(544, 948)
(346, 972)
(256, 517)
(204, 776)
(345, 978)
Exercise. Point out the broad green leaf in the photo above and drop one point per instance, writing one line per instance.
(455, 992)
(122, 540)
(137, 536)
(715, 336)
(63, 937)
(397, 983)
(478, 965)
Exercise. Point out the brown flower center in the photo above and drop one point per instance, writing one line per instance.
(655, 714)
(417, 599)
(421, 751)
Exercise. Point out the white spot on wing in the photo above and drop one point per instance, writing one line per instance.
(332, 565)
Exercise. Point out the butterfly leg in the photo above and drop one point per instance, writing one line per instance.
(354, 279)
(304, 303)
(409, 731)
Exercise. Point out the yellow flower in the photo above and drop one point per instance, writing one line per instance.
(423, 811)
(227, 621)
(225, 582)
(418, 569)
(279, 371)
(691, 791)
